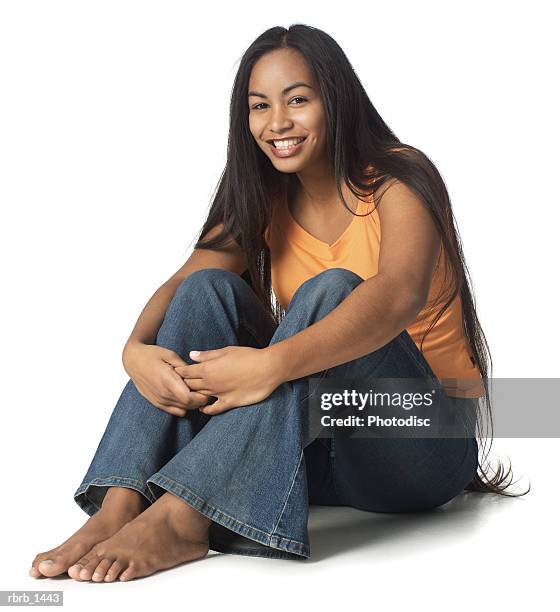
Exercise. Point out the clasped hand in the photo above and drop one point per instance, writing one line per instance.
(236, 375)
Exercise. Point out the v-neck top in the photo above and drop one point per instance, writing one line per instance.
(297, 255)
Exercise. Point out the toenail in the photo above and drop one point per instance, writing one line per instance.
(97, 576)
(47, 562)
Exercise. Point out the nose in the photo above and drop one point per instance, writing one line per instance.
(279, 121)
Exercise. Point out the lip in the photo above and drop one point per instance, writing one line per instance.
(287, 152)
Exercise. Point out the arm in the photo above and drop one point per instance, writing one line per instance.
(379, 308)
(150, 319)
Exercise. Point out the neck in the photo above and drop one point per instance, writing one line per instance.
(316, 189)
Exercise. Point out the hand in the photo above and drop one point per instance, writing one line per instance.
(236, 375)
(151, 368)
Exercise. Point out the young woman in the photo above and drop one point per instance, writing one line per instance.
(209, 444)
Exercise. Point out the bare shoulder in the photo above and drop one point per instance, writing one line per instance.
(410, 240)
(397, 194)
(228, 257)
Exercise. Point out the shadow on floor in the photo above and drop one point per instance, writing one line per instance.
(335, 530)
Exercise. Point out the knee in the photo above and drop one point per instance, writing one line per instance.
(199, 282)
(333, 283)
(333, 278)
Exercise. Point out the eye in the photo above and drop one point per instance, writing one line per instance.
(256, 107)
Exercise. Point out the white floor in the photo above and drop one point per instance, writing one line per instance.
(477, 551)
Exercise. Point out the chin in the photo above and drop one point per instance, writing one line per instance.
(287, 163)
(293, 169)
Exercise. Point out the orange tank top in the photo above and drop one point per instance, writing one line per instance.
(297, 256)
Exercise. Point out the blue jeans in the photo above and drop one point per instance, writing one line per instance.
(254, 470)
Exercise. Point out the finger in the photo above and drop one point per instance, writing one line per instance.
(206, 393)
(179, 408)
(172, 358)
(173, 410)
(194, 400)
(199, 400)
(206, 355)
(198, 384)
(177, 390)
(189, 371)
(183, 396)
(216, 408)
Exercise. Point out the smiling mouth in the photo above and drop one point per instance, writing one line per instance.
(286, 143)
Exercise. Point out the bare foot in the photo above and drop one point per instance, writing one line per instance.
(120, 505)
(169, 532)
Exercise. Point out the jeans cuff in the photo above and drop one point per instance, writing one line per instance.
(92, 503)
(274, 546)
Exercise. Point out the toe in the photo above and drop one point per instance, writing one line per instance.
(129, 572)
(114, 571)
(101, 570)
(51, 567)
(58, 560)
(75, 569)
(34, 572)
(43, 563)
(88, 569)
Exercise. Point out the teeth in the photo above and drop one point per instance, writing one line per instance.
(290, 142)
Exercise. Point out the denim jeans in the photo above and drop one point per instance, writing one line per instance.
(254, 470)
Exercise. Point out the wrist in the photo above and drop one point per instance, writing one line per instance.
(129, 351)
(277, 362)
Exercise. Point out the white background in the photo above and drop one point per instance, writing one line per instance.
(113, 131)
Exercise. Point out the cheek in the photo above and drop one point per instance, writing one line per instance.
(315, 140)
(256, 131)
(253, 127)
(316, 135)
(320, 137)
(315, 119)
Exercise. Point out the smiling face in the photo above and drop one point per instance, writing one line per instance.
(285, 103)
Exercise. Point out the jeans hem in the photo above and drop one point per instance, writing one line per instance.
(90, 507)
(280, 546)
(269, 553)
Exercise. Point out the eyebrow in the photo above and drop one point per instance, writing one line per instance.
(284, 91)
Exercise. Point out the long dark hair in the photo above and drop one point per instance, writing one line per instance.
(366, 154)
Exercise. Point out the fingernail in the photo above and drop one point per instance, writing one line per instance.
(194, 353)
